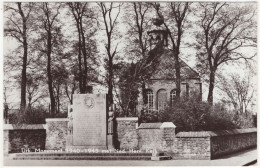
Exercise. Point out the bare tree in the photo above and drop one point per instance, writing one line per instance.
(226, 28)
(136, 17)
(70, 92)
(17, 27)
(140, 14)
(110, 23)
(6, 108)
(84, 20)
(34, 93)
(50, 37)
(140, 25)
(239, 91)
(60, 75)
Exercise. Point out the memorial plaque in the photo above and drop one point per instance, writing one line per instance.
(89, 120)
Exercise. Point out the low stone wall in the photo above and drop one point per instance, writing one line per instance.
(192, 145)
(126, 136)
(56, 132)
(159, 136)
(213, 144)
(23, 138)
(148, 136)
(231, 141)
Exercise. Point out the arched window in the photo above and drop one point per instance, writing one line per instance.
(150, 99)
(161, 99)
(173, 95)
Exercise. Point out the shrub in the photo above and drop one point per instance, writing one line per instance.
(13, 118)
(255, 120)
(187, 115)
(243, 120)
(193, 115)
(220, 118)
(57, 115)
(148, 117)
(34, 115)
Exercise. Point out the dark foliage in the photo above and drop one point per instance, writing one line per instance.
(255, 120)
(128, 85)
(35, 115)
(31, 139)
(194, 115)
(148, 117)
(187, 115)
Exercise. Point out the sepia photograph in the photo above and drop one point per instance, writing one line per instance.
(129, 83)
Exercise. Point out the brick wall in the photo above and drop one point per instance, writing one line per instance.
(192, 148)
(18, 138)
(56, 133)
(126, 136)
(150, 139)
(231, 141)
(159, 136)
(213, 144)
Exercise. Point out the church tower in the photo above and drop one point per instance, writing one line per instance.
(158, 36)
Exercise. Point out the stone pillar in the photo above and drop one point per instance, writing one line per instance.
(70, 126)
(56, 132)
(6, 142)
(126, 133)
(159, 136)
(110, 136)
(168, 136)
(7, 145)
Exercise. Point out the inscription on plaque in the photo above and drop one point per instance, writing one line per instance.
(89, 120)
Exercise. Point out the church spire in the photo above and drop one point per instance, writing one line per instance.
(158, 36)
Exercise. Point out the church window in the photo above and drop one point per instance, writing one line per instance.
(158, 37)
(173, 95)
(161, 99)
(150, 99)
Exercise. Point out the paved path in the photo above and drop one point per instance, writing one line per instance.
(238, 159)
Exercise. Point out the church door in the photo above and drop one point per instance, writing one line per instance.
(161, 99)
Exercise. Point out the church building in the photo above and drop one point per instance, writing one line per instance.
(161, 87)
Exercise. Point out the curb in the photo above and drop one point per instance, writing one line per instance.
(250, 163)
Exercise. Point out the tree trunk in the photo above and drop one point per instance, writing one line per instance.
(84, 59)
(25, 54)
(50, 81)
(110, 83)
(29, 101)
(144, 93)
(58, 99)
(178, 76)
(211, 87)
(24, 78)
(81, 89)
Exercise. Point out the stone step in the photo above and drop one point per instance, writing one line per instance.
(83, 154)
(157, 158)
(83, 158)
(86, 156)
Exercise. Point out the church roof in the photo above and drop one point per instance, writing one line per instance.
(165, 68)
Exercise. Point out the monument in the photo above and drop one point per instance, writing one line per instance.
(89, 121)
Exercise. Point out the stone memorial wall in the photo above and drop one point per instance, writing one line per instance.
(90, 120)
